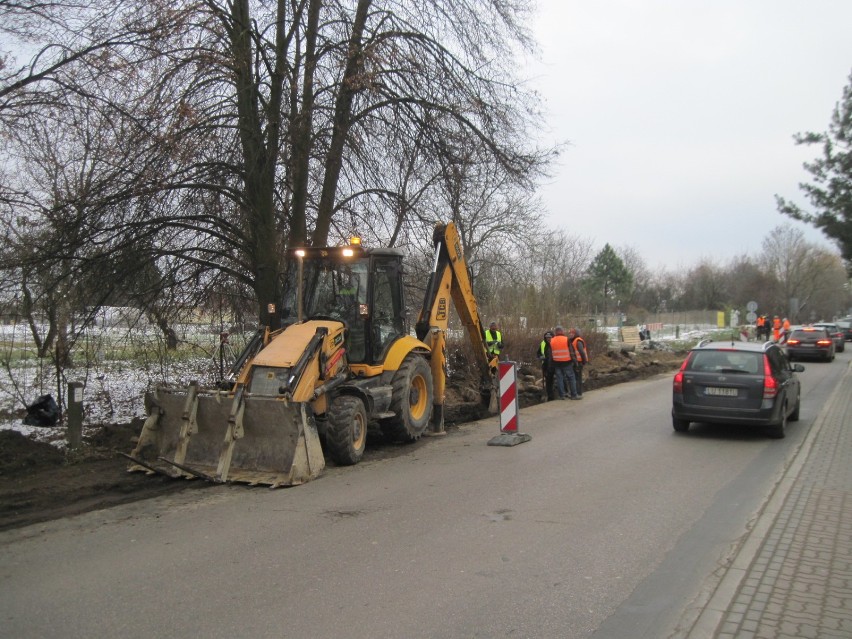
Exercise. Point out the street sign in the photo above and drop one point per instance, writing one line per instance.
(751, 306)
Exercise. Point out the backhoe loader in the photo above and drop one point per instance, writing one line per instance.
(343, 359)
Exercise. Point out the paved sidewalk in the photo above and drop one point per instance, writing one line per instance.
(792, 578)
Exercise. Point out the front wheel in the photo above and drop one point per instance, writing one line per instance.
(411, 400)
(779, 430)
(346, 432)
(794, 416)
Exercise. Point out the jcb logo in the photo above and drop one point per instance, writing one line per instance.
(441, 313)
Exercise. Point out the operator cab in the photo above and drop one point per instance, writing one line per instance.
(360, 287)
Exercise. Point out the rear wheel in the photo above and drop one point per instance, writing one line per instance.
(411, 400)
(346, 432)
(680, 425)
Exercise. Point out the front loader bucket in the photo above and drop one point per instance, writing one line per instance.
(228, 437)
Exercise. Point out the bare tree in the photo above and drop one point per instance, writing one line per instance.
(707, 287)
(635, 263)
(803, 272)
(257, 125)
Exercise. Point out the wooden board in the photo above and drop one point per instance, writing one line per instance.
(630, 335)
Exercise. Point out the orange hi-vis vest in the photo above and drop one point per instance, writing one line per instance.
(760, 321)
(579, 345)
(559, 348)
(776, 323)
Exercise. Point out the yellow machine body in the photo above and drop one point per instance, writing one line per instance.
(345, 360)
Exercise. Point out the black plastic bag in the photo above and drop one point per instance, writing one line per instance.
(42, 412)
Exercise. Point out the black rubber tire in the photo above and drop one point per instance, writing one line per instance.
(779, 430)
(411, 400)
(680, 425)
(794, 416)
(346, 430)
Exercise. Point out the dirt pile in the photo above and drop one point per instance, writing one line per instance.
(39, 482)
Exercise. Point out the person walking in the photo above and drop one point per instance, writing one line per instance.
(563, 364)
(759, 326)
(494, 340)
(581, 358)
(545, 356)
(776, 328)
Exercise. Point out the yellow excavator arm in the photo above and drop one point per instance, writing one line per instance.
(450, 280)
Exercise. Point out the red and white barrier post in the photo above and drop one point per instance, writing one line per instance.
(507, 374)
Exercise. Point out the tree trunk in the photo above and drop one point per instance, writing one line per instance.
(301, 132)
(260, 151)
(349, 86)
(63, 347)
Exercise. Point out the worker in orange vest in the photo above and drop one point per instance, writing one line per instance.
(581, 358)
(759, 325)
(563, 364)
(776, 328)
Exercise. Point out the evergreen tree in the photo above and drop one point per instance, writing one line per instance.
(608, 279)
(830, 193)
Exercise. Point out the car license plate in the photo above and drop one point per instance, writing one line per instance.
(720, 392)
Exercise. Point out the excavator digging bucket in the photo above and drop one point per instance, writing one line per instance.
(228, 437)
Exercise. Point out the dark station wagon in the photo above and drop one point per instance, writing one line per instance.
(811, 342)
(741, 383)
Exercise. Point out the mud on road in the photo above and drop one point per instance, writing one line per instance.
(39, 482)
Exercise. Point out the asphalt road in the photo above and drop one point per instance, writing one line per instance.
(607, 523)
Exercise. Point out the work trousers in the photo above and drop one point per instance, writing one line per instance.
(549, 377)
(578, 374)
(566, 384)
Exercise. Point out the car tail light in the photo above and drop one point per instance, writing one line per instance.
(770, 384)
(824, 342)
(793, 342)
(678, 378)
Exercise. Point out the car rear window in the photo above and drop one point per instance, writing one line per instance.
(809, 333)
(726, 361)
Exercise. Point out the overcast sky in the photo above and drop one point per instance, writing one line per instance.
(680, 117)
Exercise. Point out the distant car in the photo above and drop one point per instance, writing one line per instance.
(811, 342)
(741, 383)
(836, 333)
(845, 325)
